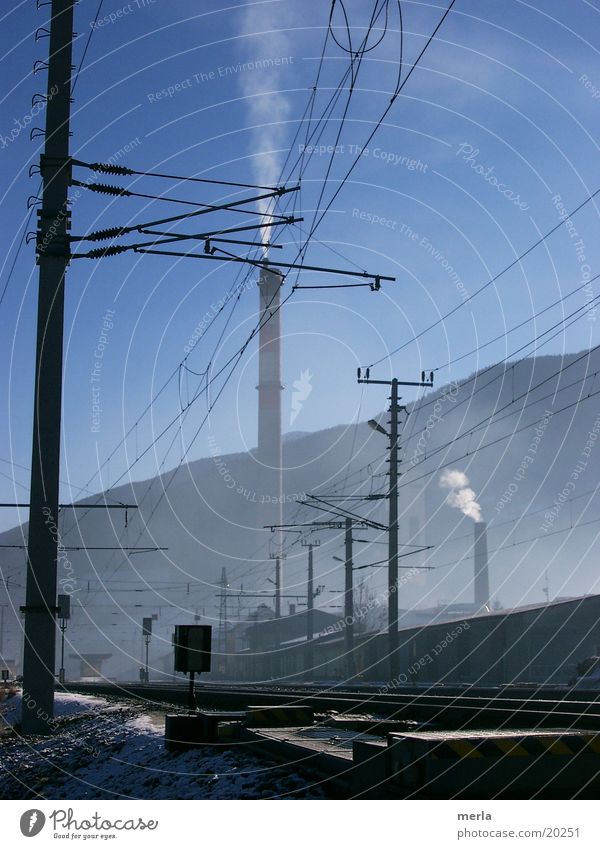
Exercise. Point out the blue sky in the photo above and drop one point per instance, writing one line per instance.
(500, 118)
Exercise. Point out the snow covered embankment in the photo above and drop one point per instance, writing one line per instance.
(115, 750)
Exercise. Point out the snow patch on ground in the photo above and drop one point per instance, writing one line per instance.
(115, 750)
(65, 704)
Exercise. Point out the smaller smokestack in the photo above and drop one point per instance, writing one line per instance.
(481, 577)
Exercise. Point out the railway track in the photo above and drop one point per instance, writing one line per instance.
(362, 743)
(526, 709)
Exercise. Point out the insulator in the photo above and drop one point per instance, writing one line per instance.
(107, 168)
(104, 189)
(358, 373)
(109, 233)
(368, 373)
(111, 250)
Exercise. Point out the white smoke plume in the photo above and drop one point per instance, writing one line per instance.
(267, 108)
(302, 389)
(461, 495)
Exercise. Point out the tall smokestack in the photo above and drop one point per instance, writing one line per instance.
(482, 578)
(269, 387)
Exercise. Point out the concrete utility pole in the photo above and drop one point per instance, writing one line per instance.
(278, 589)
(393, 532)
(277, 559)
(2, 606)
(348, 523)
(395, 409)
(52, 247)
(348, 597)
(310, 607)
(223, 614)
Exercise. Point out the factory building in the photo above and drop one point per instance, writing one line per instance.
(541, 644)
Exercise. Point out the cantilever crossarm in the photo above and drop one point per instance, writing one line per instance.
(232, 206)
(123, 171)
(327, 507)
(224, 256)
(335, 525)
(406, 554)
(368, 379)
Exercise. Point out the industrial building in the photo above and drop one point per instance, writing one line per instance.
(539, 644)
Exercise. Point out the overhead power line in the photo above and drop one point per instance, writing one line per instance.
(489, 283)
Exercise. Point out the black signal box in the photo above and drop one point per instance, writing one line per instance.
(192, 645)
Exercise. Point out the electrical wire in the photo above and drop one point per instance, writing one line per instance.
(251, 336)
(489, 283)
(517, 326)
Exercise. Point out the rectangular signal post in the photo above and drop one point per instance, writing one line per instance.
(53, 250)
(193, 646)
(395, 409)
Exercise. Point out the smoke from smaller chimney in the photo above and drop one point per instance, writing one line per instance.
(461, 495)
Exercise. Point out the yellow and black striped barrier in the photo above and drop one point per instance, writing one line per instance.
(517, 746)
(493, 761)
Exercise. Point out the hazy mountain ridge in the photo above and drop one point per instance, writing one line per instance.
(210, 516)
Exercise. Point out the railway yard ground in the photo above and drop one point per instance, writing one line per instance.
(115, 741)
